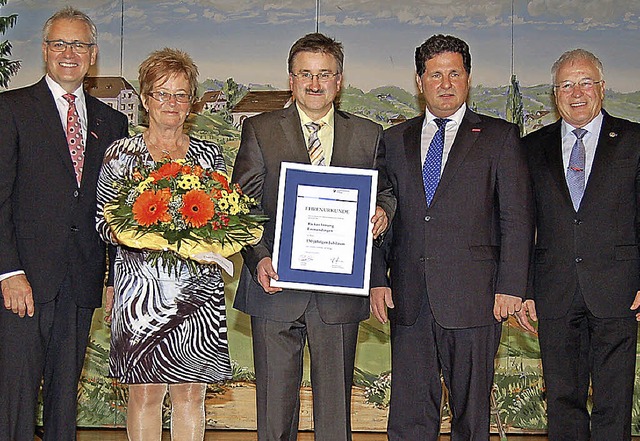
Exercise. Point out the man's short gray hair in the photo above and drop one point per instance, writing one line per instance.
(70, 13)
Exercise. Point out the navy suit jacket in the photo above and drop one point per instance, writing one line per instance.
(595, 248)
(475, 238)
(47, 223)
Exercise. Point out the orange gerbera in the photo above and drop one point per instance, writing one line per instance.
(152, 207)
(170, 169)
(198, 171)
(222, 180)
(197, 208)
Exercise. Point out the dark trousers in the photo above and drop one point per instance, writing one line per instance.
(278, 349)
(580, 347)
(465, 357)
(50, 346)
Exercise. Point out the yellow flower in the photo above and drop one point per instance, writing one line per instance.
(142, 186)
(188, 182)
(223, 204)
(234, 198)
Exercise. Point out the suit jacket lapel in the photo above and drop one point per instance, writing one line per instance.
(412, 137)
(47, 111)
(466, 137)
(294, 141)
(552, 145)
(341, 140)
(93, 154)
(604, 157)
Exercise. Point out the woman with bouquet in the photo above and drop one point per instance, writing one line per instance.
(168, 327)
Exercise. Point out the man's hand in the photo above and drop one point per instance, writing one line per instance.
(526, 315)
(265, 273)
(108, 303)
(380, 300)
(17, 295)
(635, 305)
(379, 221)
(506, 305)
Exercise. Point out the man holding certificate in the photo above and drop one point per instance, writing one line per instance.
(458, 250)
(311, 131)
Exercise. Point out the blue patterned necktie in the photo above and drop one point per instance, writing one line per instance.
(316, 153)
(433, 161)
(575, 170)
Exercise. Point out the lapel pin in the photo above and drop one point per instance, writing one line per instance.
(476, 129)
(94, 135)
(612, 134)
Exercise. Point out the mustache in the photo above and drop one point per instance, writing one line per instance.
(312, 90)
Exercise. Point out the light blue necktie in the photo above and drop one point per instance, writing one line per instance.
(575, 170)
(433, 161)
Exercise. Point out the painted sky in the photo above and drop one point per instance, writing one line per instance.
(249, 39)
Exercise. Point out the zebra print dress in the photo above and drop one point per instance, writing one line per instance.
(164, 329)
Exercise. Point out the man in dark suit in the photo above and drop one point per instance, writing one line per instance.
(52, 262)
(586, 178)
(458, 250)
(283, 319)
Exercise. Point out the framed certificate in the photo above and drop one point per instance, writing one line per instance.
(323, 233)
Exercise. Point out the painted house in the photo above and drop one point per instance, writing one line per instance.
(117, 93)
(259, 101)
(212, 101)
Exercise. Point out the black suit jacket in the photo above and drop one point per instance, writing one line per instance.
(47, 223)
(597, 247)
(268, 140)
(474, 240)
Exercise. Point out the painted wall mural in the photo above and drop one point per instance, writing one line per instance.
(241, 48)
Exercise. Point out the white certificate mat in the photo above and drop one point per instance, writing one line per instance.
(324, 229)
(323, 233)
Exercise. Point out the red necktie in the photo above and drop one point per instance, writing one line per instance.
(74, 136)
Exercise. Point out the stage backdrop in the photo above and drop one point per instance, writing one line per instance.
(241, 48)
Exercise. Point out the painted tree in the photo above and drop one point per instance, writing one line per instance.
(8, 67)
(515, 109)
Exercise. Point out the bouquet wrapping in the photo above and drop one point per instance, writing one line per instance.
(181, 213)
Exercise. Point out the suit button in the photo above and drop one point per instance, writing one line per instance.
(577, 221)
(76, 194)
(422, 259)
(578, 259)
(74, 228)
(427, 218)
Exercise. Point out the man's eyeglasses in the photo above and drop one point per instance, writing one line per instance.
(584, 85)
(322, 77)
(76, 46)
(165, 97)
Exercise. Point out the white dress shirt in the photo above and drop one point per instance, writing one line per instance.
(590, 141)
(429, 129)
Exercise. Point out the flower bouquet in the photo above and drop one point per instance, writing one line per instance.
(181, 212)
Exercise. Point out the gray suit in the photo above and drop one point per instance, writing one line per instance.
(268, 140)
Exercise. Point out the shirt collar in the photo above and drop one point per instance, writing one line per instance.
(455, 118)
(593, 127)
(58, 91)
(327, 119)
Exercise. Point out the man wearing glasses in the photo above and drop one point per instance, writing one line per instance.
(52, 262)
(586, 268)
(310, 131)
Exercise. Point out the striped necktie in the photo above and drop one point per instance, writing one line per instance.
(316, 153)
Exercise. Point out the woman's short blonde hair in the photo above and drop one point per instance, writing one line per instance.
(165, 63)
